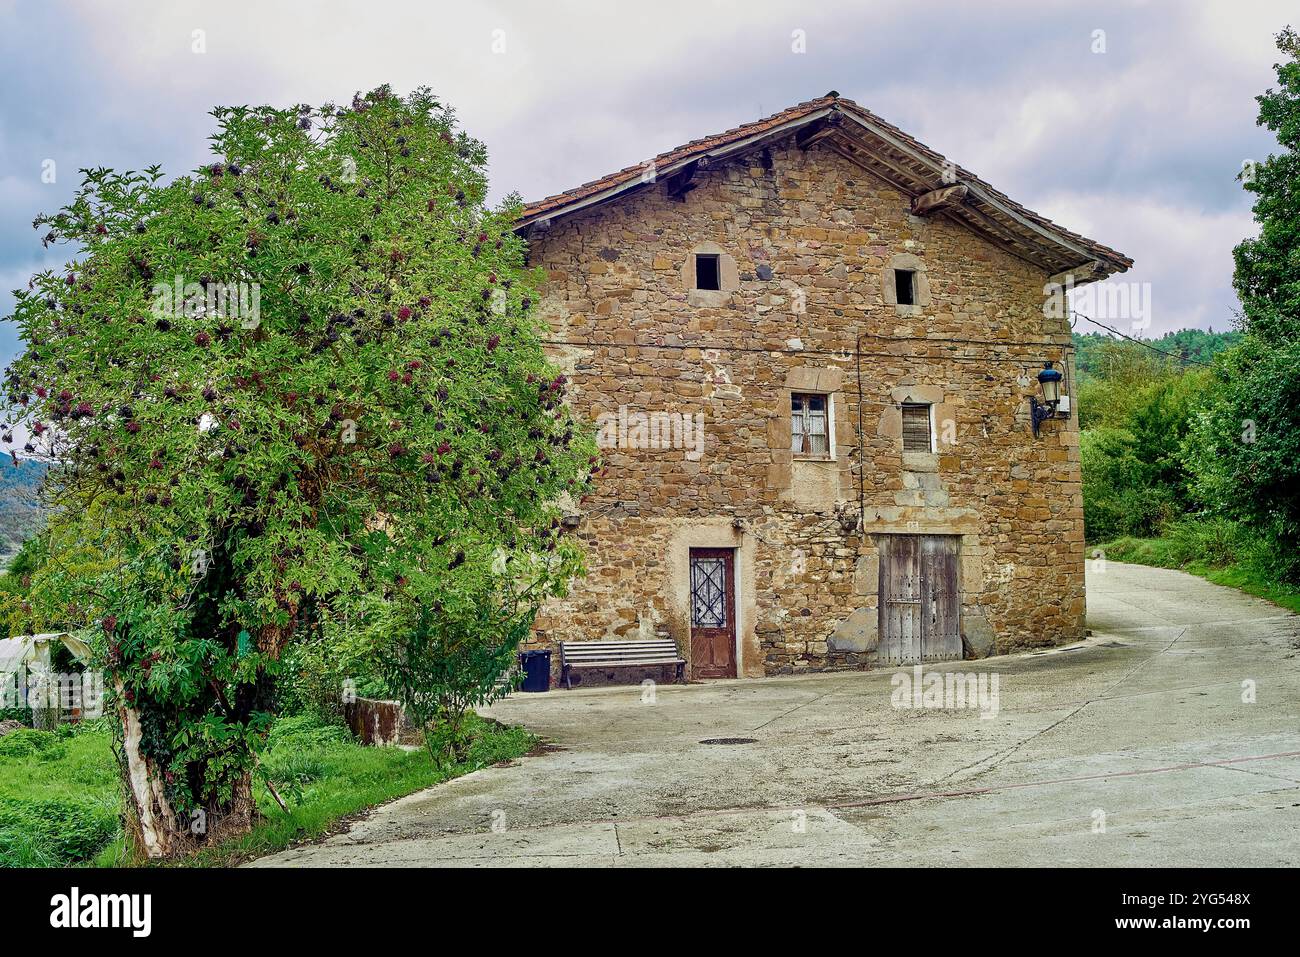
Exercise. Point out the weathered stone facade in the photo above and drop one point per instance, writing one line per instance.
(808, 242)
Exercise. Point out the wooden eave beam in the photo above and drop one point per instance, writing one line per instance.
(982, 193)
(1009, 246)
(1013, 239)
(815, 132)
(681, 183)
(869, 163)
(963, 214)
(857, 161)
(1082, 273)
(918, 180)
(1051, 254)
(939, 199)
(997, 240)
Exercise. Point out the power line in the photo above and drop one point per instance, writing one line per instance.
(1142, 343)
(844, 354)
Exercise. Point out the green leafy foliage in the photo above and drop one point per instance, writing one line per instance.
(324, 778)
(1136, 416)
(442, 664)
(1198, 468)
(59, 795)
(28, 741)
(1218, 549)
(1116, 497)
(1267, 276)
(301, 385)
(1124, 372)
(1245, 448)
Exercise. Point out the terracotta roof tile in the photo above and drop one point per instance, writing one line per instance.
(685, 151)
(560, 202)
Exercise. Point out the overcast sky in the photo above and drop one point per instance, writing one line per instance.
(1137, 146)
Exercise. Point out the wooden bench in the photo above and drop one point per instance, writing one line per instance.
(618, 654)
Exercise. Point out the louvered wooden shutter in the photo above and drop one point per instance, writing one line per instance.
(916, 428)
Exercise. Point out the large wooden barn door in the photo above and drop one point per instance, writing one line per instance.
(920, 604)
(713, 613)
(940, 598)
(900, 599)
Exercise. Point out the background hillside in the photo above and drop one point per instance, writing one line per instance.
(20, 508)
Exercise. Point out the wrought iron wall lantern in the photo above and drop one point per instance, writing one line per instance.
(1049, 380)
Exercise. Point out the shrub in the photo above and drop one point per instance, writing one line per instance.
(28, 741)
(451, 657)
(1118, 499)
(1213, 541)
(53, 832)
(306, 732)
(1207, 541)
(1135, 479)
(21, 715)
(319, 667)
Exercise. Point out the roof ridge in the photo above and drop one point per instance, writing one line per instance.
(612, 182)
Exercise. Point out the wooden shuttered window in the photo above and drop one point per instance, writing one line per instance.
(916, 428)
(809, 424)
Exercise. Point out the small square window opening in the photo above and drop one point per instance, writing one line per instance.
(905, 284)
(707, 273)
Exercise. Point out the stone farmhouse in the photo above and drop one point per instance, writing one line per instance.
(811, 348)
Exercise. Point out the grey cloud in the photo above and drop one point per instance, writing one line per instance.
(1136, 147)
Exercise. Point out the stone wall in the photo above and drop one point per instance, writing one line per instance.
(808, 244)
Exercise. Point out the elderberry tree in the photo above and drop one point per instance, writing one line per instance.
(300, 385)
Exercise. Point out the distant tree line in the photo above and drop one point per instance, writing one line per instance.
(1093, 350)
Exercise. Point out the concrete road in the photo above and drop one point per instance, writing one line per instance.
(1134, 747)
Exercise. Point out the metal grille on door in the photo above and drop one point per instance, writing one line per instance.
(708, 593)
(713, 613)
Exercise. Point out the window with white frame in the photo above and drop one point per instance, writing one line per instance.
(810, 424)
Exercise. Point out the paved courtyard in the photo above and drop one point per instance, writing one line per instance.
(1134, 747)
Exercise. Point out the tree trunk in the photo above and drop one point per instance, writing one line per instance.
(151, 824)
(153, 828)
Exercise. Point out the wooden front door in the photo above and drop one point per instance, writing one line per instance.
(920, 603)
(713, 613)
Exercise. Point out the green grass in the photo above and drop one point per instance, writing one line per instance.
(1288, 596)
(1217, 551)
(60, 796)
